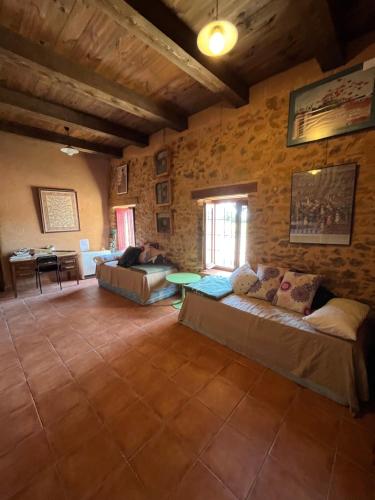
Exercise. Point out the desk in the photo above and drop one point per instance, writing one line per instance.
(182, 279)
(24, 267)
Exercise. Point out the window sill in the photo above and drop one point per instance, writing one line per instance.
(215, 272)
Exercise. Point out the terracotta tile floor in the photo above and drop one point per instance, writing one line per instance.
(103, 399)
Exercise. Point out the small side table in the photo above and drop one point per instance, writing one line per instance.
(182, 279)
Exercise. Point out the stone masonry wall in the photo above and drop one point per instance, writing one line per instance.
(226, 146)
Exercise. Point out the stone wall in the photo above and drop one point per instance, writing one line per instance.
(226, 146)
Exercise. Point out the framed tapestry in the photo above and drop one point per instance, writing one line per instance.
(59, 210)
(322, 204)
(337, 105)
(122, 179)
(162, 162)
(163, 192)
(164, 222)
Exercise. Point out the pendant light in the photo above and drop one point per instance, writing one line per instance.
(217, 37)
(69, 150)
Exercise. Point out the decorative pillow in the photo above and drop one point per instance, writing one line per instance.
(297, 291)
(339, 317)
(322, 296)
(130, 257)
(242, 278)
(268, 282)
(145, 255)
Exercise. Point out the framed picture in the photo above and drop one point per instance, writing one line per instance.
(59, 210)
(322, 205)
(337, 105)
(164, 222)
(163, 192)
(122, 179)
(162, 162)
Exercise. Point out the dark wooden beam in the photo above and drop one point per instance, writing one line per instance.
(46, 135)
(69, 116)
(230, 190)
(37, 58)
(323, 35)
(160, 28)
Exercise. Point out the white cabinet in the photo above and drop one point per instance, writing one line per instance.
(87, 264)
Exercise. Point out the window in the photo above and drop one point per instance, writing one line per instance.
(125, 227)
(225, 234)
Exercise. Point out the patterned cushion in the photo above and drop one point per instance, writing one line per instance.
(268, 282)
(297, 291)
(242, 279)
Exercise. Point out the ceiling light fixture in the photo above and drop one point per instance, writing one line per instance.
(217, 37)
(69, 150)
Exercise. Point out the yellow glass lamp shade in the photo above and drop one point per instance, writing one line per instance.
(217, 38)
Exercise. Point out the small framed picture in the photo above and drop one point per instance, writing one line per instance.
(162, 162)
(163, 192)
(122, 179)
(164, 222)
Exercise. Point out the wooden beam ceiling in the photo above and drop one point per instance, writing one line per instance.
(34, 57)
(46, 135)
(160, 28)
(328, 48)
(69, 116)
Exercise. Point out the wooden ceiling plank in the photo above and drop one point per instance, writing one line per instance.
(69, 116)
(84, 81)
(328, 48)
(46, 135)
(160, 28)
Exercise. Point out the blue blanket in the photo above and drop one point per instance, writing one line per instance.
(215, 287)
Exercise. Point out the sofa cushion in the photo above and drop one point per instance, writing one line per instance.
(297, 291)
(268, 282)
(242, 278)
(339, 317)
(129, 257)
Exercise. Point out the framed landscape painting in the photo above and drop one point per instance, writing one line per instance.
(164, 222)
(162, 162)
(163, 192)
(59, 210)
(337, 105)
(322, 204)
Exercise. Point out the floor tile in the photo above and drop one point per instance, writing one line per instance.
(234, 459)
(357, 444)
(84, 363)
(18, 467)
(121, 484)
(168, 361)
(146, 378)
(166, 398)
(211, 360)
(11, 376)
(129, 363)
(196, 424)
(276, 482)
(112, 399)
(54, 404)
(113, 350)
(17, 426)
(79, 425)
(350, 482)
(47, 486)
(14, 398)
(56, 377)
(307, 459)
(275, 390)
(239, 375)
(86, 468)
(220, 397)
(162, 462)
(191, 378)
(97, 379)
(200, 484)
(256, 421)
(134, 427)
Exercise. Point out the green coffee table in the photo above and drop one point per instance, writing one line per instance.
(182, 279)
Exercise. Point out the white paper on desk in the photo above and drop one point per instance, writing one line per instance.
(84, 245)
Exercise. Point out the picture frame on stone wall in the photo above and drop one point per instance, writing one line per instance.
(322, 205)
(164, 222)
(162, 162)
(122, 173)
(340, 104)
(163, 192)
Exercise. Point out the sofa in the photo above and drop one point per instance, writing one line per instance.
(144, 284)
(282, 341)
